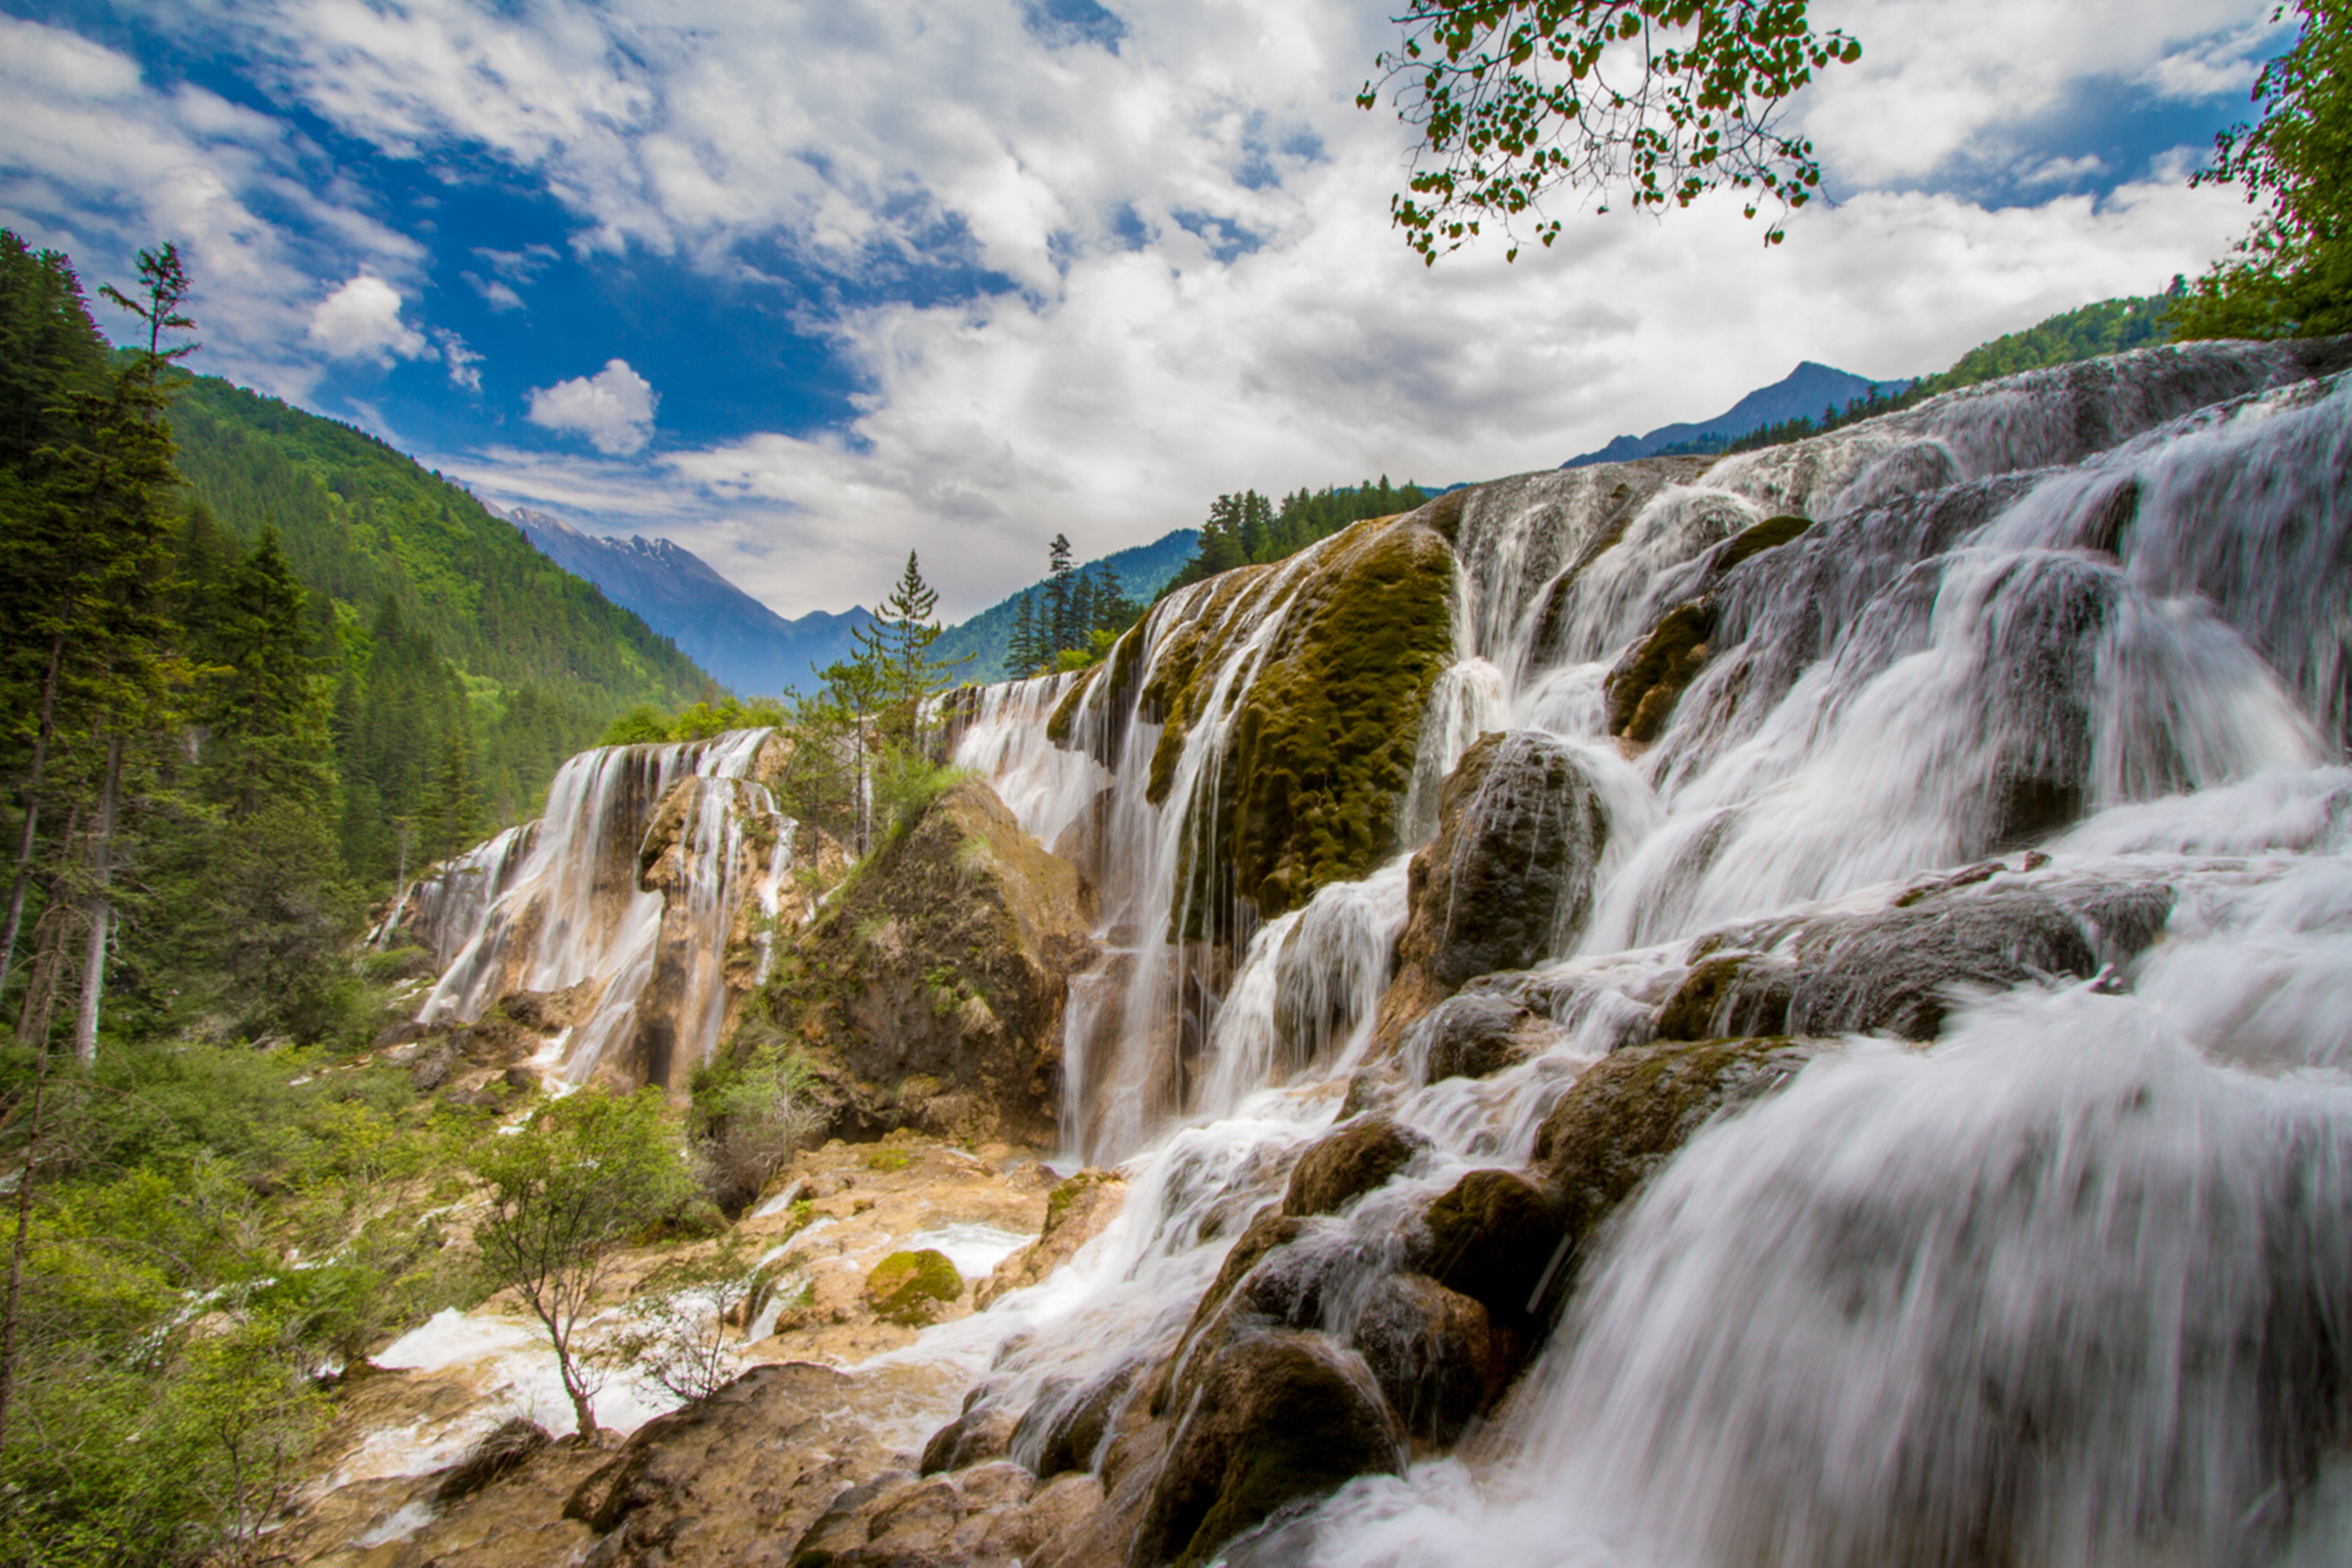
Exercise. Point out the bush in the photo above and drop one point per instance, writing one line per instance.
(752, 1112)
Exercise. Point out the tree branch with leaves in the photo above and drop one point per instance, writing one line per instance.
(1650, 101)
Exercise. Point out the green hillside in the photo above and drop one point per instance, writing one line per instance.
(450, 639)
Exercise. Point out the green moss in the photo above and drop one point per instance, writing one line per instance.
(1323, 738)
(1770, 534)
(889, 1160)
(1643, 689)
(1065, 711)
(908, 1287)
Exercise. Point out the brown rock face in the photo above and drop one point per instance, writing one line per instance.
(1279, 1417)
(1492, 1238)
(929, 992)
(1348, 1163)
(1433, 1352)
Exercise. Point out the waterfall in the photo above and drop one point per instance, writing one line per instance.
(2066, 1283)
(572, 907)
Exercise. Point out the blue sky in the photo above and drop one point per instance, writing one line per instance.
(803, 287)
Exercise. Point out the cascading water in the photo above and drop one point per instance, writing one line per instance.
(2066, 1286)
(572, 908)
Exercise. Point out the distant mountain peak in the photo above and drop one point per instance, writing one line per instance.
(757, 652)
(1805, 391)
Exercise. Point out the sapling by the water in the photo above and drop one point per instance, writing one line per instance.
(678, 1318)
(578, 1180)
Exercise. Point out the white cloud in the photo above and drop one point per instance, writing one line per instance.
(361, 320)
(99, 163)
(465, 365)
(1138, 368)
(614, 408)
(1938, 78)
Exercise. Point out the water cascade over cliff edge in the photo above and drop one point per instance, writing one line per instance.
(1856, 1071)
(1794, 1009)
(645, 898)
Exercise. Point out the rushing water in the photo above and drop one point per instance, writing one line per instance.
(2069, 1286)
(561, 903)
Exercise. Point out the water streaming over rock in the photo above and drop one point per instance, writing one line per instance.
(1866, 1059)
(2019, 744)
(633, 883)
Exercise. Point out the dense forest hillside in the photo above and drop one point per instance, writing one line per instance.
(438, 620)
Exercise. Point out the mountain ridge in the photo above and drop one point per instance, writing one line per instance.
(744, 644)
(1803, 392)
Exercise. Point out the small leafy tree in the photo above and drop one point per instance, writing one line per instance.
(752, 1112)
(2291, 277)
(1658, 99)
(582, 1176)
(677, 1332)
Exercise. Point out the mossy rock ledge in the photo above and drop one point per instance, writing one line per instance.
(1323, 736)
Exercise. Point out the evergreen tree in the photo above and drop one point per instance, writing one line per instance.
(1021, 654)
(268, 711)
(1060, 629)
(449, 815)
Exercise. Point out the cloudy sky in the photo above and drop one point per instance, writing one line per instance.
(804, 286)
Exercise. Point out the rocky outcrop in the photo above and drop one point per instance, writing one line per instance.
(929, 992)
(1348, 1163)
(1077, 1211)
(1895, 970)
(1319, 743)
(1509, 878)
(1278, 1417)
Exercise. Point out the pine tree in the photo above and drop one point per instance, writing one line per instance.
(1060, 632)
(449, 817)
(1020, 655)
(269, 712)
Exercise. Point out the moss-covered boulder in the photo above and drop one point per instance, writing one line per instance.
(1347, 1164)
(1280, 1418)
(928, 994)
(1508, 881)
(1493, 1237)
(910, 1287)
(1633, 1109)
(1319, 743)
(1510, 875)
(1640, 692)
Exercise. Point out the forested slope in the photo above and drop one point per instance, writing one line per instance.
(446, 621)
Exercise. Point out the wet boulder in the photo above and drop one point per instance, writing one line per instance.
(1510, 878)
(1078, 1210)
(1064, 1429)
(1279, 1418)
(1432, 1351)
(1473, 1037)
(1633, 1109)
(1646, 683)
(1493, 1237)
(1894, 971)
(1353, 1161)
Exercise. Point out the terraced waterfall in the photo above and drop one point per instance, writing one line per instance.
(1789, 1010)
(1837, 961)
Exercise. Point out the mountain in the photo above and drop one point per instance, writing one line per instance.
(440, 626)
(1803, 392)
(746, 645)
(1142, 569)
